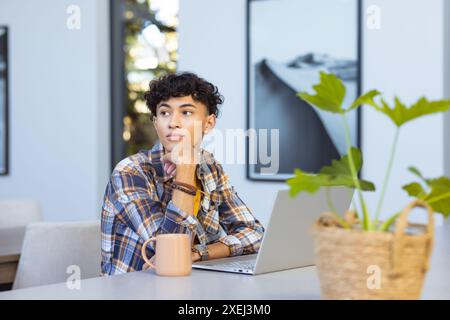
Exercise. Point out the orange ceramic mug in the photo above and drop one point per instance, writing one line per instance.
(172, 254)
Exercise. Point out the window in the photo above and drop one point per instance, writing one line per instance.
(144, 45)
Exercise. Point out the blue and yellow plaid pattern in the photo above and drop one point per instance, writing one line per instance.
(138, 205)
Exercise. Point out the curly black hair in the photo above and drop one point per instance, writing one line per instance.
(181, 85)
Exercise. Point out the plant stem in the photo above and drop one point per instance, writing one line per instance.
(366, 218)
(387, 176)
(438, 198)
(385, 226)
(333, 209)
(354, 205)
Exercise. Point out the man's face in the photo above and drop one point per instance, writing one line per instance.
(181, 116)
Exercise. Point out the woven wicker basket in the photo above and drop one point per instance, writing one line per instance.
(354, 264)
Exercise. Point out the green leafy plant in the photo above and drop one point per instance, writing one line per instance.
(329, 96)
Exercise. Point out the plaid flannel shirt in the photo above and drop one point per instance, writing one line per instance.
(138, 205)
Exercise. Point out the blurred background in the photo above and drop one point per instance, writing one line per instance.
(74, 73)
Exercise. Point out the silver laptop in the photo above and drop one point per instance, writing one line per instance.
(287, 242)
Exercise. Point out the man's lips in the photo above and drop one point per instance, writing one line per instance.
(174, 137)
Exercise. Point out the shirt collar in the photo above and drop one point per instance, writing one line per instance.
(203, 171)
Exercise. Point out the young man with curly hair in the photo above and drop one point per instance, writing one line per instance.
(140, 201)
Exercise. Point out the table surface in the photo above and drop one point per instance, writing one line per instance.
(301, 283)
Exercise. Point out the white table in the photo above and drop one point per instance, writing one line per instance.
(299, 283)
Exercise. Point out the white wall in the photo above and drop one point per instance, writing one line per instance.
(59, 106)
(405, 57)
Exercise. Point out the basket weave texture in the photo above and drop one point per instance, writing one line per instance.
(356, 264)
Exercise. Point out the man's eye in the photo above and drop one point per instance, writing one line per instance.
(164, 113)
(187, 113)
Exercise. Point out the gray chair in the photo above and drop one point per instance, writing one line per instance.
(49, 249)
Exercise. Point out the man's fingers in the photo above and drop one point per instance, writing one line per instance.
(167, 157)
(171, 169)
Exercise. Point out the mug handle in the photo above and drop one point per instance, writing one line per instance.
(144, 254)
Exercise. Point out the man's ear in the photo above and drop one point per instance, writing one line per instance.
(210, 123)
(154, 121)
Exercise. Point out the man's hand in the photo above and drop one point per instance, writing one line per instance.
(182, 161)
(184, 153)
(170, 168)
(195, 256)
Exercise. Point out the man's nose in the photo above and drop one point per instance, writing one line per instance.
(174, 121)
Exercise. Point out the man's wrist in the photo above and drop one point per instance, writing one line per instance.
(202, 251)
(196, 256)
(186, 173)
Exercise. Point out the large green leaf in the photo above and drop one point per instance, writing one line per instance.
(336, 174)
(366, 98)
(414, 190)
(439, 197)
(330, 94)
(401, 114)
(437, 193)
(304, 181)
(342, 166)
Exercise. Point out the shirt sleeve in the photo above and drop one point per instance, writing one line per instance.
(244, 231)
(132, 197)
(137, 203)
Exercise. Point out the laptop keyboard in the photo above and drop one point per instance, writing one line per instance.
(249, 265)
